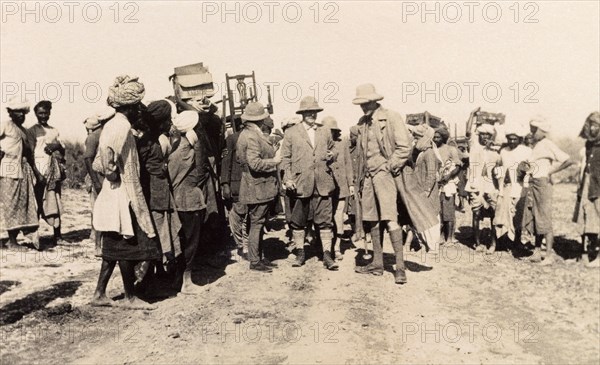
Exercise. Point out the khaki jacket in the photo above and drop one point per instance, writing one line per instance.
(307, 165)
(259, 170)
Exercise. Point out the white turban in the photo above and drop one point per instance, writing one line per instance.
(18, 103)
(173, 109)
(99, 118)
(516, 129)
(541, 123)
(485, 128)
(186, 121)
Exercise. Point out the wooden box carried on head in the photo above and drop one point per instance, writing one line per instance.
(424, 118)
(193, 82)
(490, 118)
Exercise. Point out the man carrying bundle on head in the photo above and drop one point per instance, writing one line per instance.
(186, 173)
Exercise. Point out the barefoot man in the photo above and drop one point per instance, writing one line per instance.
(120, 212)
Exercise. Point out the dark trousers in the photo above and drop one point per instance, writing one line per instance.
(287, 207)
(318, 209)
(257, 214)
(191, 229)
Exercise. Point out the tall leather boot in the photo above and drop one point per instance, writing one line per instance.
(326, 239)
(376, 266)
(396, 238)
(298, 237)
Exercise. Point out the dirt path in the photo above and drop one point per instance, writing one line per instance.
(461, 308)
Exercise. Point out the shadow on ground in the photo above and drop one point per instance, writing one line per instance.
(6, 285)
(16, 310)
(76, 236)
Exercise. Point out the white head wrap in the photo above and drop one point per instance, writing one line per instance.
(485, 128)
(185, 123)
(19, 103)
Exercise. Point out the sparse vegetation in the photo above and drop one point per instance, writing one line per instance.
(75, 166)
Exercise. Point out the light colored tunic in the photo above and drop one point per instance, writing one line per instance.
(11, 143)
(545, 153)
(18, 208)
(507, 215)
(43, 136)
(510, 160)
(111, 211)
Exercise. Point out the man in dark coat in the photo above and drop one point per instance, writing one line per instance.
(258, 187)
(305, 158)
(231, 175)
(209, 131)
(344, 181)
(587, 209)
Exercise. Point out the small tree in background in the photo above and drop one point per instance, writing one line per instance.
(75, 165)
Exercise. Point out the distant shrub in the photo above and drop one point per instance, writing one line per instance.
(75, 165)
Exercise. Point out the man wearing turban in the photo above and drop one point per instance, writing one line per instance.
(126, 90)
(451, 165)
(587, 212)
(545, 161)
(510, 183)
(120, 212)
(482, 190)
(186, 173)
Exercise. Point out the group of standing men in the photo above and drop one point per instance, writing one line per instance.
(405, 179)
(156, 190)
(317, 172)
(31, 173)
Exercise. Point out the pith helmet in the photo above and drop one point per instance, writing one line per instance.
(254, 112)
(309, 104)
(330, 123)
(366, 93)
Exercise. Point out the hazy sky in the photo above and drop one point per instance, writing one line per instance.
(545, 52)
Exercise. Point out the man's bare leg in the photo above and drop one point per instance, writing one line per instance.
(99, 299)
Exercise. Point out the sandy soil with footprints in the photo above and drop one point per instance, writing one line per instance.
(463, 307)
